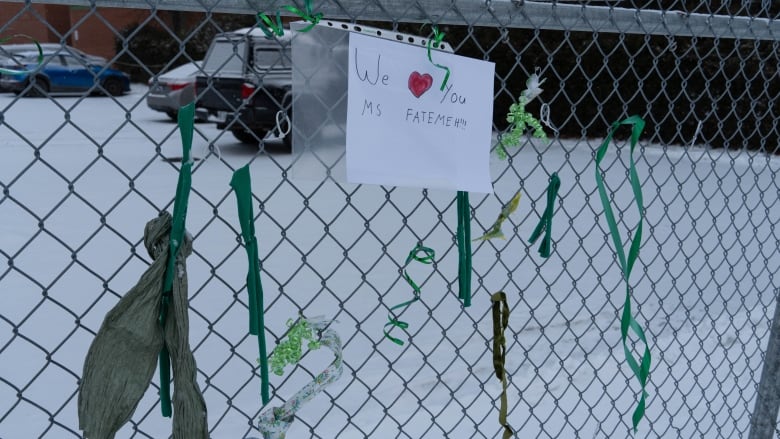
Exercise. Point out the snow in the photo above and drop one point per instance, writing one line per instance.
(82, 177)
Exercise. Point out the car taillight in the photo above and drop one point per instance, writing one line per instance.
(178, 85)
(247, 89)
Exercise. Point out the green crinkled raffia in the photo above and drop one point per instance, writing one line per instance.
(520, 120)
(290, 351)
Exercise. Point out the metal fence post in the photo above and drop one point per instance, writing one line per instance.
(764, 420)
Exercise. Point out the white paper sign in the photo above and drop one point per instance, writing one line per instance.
(403, 130)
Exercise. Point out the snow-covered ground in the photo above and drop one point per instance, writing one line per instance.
(81, 178)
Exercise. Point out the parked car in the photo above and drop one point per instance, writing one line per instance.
(246, 80)
(12, 49)
(174, 89)
(63, 73)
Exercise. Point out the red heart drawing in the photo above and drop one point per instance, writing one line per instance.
(419, 84)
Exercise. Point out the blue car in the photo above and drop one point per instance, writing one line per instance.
(62, 73)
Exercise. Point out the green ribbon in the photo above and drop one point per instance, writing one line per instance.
(289, 351)
(640, 368)
(464, 248)
(40, 52)
(242, 185)
(500, 311)
(545, 222)
(437, 39)
(495, 230)
(428, 256)
(271, 29)
(186, 128)
(520, 120)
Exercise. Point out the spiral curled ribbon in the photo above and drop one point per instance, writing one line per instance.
(275, 421)
(242, 186)
(545, 222)
(273, 29)
(500, 323)
(428, 256)
(641, 368)
(186, 122)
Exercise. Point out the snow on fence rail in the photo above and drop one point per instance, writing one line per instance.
(81, 175)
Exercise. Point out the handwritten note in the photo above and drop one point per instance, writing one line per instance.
(402, 130)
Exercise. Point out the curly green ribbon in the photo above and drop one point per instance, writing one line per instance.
(495, 230)
(428, 256)
(271, 29)
(500, 311)
(290, 351)
(242, 186)
(520, 120)
(464, 248)
(437, 39)
(37, 45)
(641, 369)
(186, 127)
(545, 222)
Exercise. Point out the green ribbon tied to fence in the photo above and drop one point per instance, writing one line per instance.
(545, 222)
(641, 368)
(438, 37)
(273, 29)
(463, 239)
(500, 311)
(242, 186)
(186, 123)
(420, 254)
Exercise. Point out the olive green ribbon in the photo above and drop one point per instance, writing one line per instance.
(428, 256)
(242, 185)
(545, 222)
(495, 230)
(37, 45)
(464, 248)
(500, 322)
(640, 368)
(436, 41)
(186, 127)
(272, 29)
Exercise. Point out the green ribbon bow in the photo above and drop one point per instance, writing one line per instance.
(38, 46)
(437, 39)
(186, 127)
(545, 222)
(428, 256)
(272, 29)
(641, 368)
(464, 248)
(500, 311)
(242, 185)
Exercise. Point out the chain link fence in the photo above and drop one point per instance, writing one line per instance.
(82, 174)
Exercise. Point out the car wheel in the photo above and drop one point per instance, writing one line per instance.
(113, 87)
(173, 114)
(39, 87)
(249, 137)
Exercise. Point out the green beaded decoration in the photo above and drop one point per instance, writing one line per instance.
(290, 350)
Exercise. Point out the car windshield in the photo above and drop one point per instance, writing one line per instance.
(225, 56)
(273, 59)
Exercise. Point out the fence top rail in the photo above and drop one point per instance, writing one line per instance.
(505, 13)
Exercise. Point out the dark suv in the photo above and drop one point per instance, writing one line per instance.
(247, 84)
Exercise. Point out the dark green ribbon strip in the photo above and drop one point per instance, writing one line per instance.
(428, 256)
(500, 323)
(273, 29)
(242, 185)
(186, 128)
(464, 248)
(37, 45)
(436, 40)
(545, 222)
(641, 368)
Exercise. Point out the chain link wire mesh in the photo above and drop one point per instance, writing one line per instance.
(82, 174)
